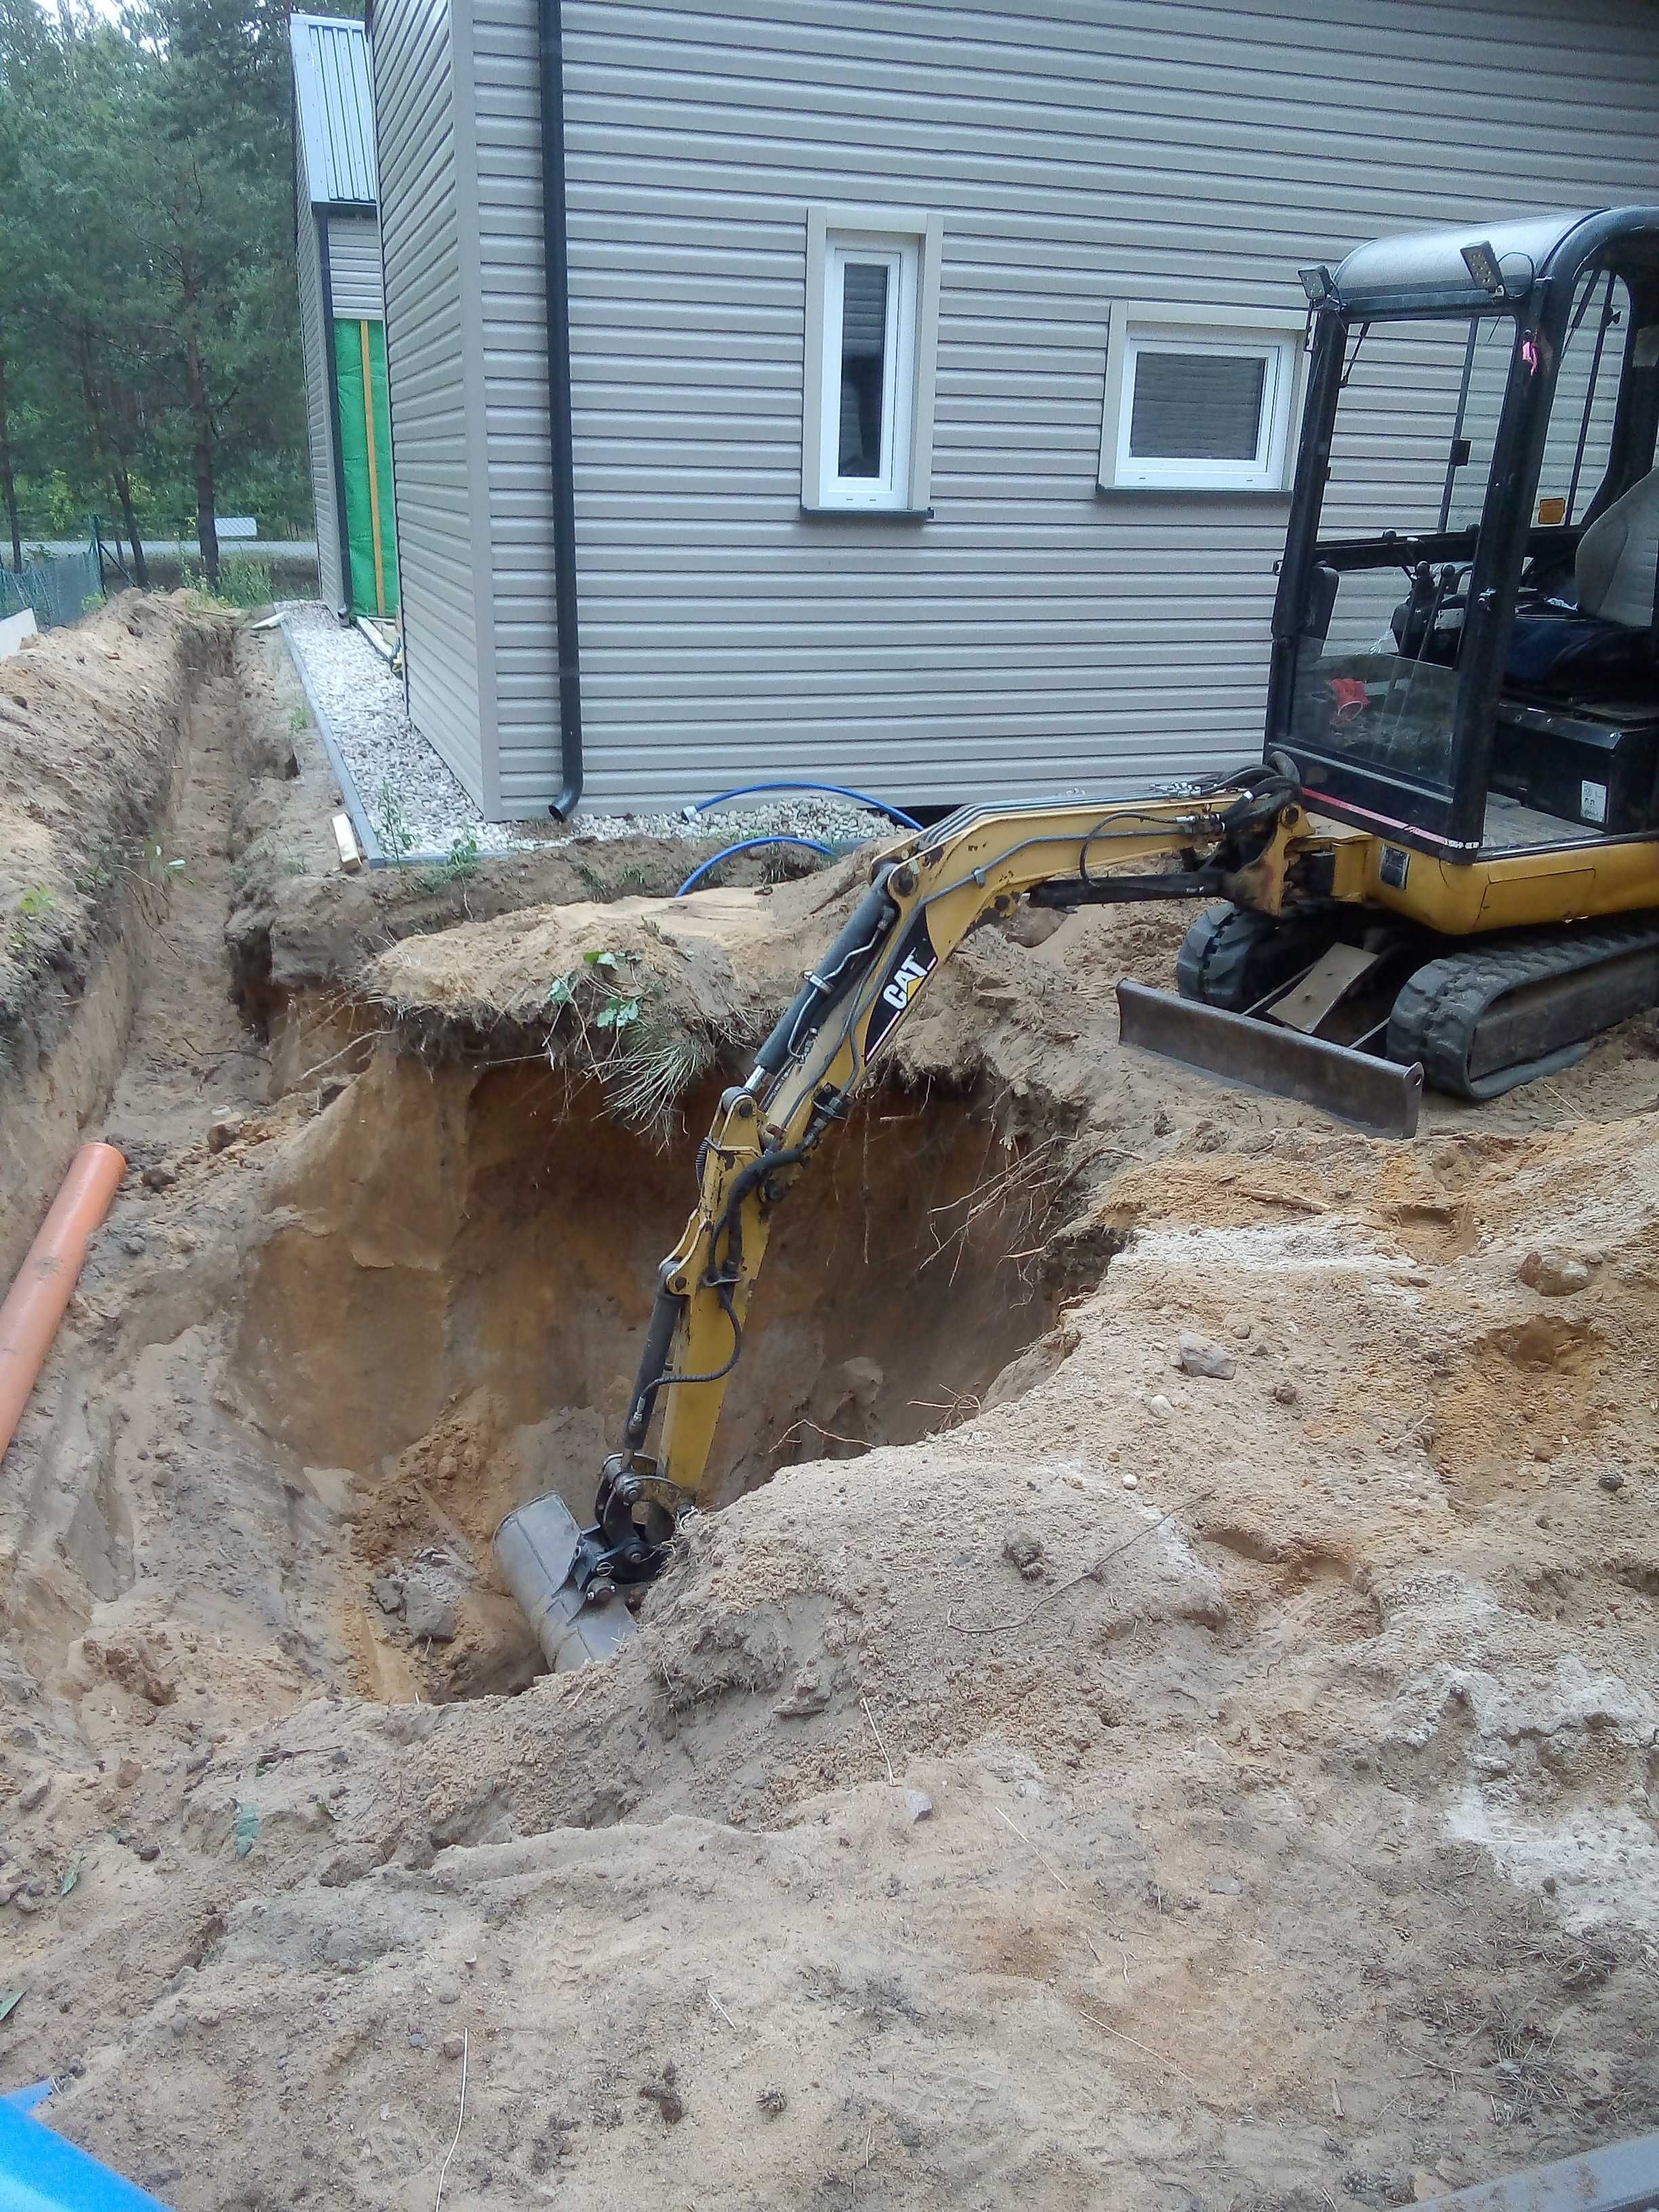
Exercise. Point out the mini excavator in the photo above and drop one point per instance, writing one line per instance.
(1446, 868)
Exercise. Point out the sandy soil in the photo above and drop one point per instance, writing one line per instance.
(1115, 1785)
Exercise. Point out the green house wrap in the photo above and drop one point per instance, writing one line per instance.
(366, 462)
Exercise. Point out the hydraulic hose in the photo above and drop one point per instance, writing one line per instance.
(838, 790)
(747, 845)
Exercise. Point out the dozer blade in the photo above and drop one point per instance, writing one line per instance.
(537, 1548)
(1374, 1094)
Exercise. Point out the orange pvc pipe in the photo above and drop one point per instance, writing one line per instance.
(45, 1282)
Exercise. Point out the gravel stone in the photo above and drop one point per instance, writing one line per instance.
(429, 1615)
(1554, 1274)
(1197, 1357)
(387, 1592)
(394, 768)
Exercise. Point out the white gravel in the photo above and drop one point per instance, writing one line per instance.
(407, 793)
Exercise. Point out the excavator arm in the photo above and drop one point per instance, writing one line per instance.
(927, 890)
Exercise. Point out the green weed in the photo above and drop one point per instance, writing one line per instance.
(397, 838)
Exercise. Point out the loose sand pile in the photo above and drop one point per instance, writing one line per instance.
(1122, 1783)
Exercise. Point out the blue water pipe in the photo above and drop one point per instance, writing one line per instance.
(745, 845)
(42, 2172)
(839, 790)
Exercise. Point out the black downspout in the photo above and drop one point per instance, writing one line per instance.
(561, 437)
(332, 379)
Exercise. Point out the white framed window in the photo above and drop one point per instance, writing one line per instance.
(872, 336)
(1199, 400)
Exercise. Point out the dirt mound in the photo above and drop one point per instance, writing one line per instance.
(1161, 1718)
(1297, 1764)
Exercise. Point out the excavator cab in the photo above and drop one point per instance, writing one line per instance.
(1464, 639)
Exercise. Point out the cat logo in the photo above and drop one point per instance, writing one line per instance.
(917, 963)
(897, 994)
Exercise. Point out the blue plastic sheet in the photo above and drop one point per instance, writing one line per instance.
(40, 2172)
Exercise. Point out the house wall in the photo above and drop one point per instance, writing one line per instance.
(428, 207)
(1037, 633)
(353, 267)
(313, 347)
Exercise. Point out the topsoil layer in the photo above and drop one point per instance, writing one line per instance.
(1070, 1778)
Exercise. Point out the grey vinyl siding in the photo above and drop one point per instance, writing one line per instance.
(353, 267)
(428, 208)
(314, 348)
(1037, 633)
(336, 109)
(518, 476)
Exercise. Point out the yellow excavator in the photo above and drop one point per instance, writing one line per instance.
(1446, 868)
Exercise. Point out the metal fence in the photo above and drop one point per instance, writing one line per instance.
(57, 586)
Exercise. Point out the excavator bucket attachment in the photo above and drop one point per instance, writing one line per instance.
(1374, 1094)
(537, 1548)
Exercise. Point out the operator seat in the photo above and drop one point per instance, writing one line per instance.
(1607, 635)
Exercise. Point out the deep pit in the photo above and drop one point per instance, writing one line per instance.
(451, 1287)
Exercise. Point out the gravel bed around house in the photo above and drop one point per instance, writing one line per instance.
(413, 801)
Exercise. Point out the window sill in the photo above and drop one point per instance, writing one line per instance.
(868, 514)
(1191, 491)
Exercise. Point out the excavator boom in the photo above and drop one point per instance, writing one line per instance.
(1241, 841)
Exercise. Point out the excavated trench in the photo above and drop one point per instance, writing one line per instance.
(329, 1338)
(453, 1276)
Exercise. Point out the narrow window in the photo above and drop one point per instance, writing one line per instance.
(869, 296)
(871, 314)
(1198, 409)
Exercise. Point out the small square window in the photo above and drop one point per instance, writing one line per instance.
(1199, 406)
(871, 316)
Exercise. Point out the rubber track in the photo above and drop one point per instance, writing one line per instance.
(1437, 1018)
(1226, 958)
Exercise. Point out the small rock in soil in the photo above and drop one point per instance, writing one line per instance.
(159, 1177)
(918, 1804)
(127, 1773)
(808, 1693)
(1554, 1274)
(1195, 1357)
(387, 1592)
(1611, 1480)
(34, 1798)
(453, 2045)
(1160, 1405)
(224, 1133)
(179, 2023)
(1025, 1551)
(149, 1853)
(429, 1615)
(1285, 1394)
(1225, 1885)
